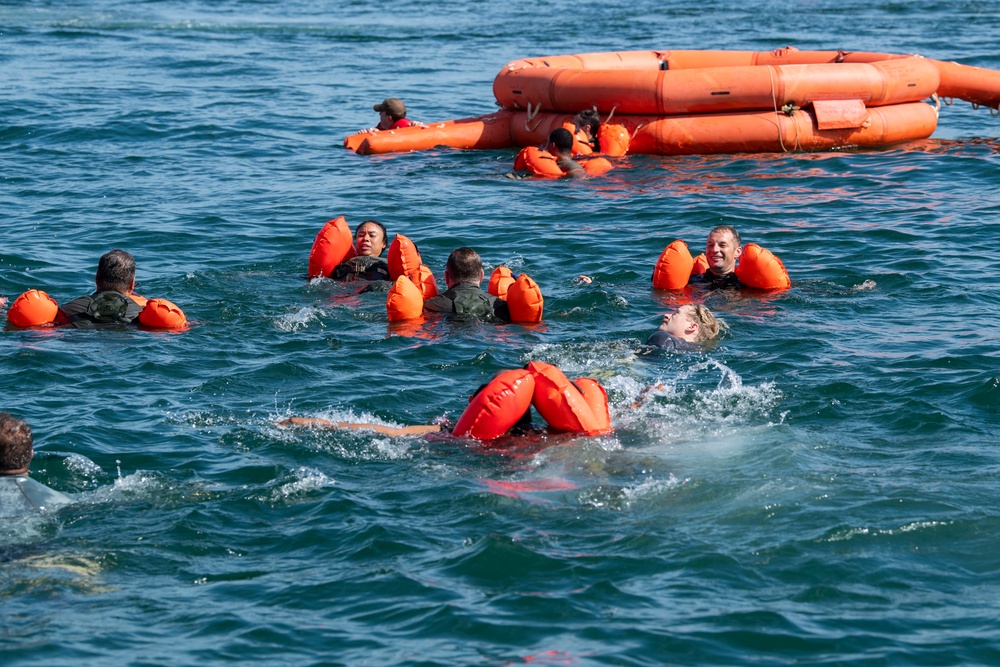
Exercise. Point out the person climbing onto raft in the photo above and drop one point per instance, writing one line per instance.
(465, 299)
(391, 116)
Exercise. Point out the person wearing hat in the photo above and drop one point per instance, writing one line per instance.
(391, 116)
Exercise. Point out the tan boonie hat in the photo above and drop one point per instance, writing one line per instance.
(393, 106)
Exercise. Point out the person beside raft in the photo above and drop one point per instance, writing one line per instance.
(370, 241)
(19, 494)
(465, 299)
(684, 329)
(114, 304)
(391, 116)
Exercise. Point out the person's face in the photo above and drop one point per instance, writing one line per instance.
(369, 240)
(722, 252)
(384, 120)
(680, 323)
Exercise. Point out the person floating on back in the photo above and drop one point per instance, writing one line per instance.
(683, 329)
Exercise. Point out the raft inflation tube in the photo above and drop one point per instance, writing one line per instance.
(758, 268)
(677, 102)
(498, 406)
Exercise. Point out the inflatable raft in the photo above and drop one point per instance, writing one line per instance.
(701, 102)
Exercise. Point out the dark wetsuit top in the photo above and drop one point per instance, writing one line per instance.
(365, 267)
(728, 281)
(467, 300)
(19, 494)
(101, 310)
(669, 342)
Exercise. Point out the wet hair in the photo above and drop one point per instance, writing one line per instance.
(464, 265)
(588, 118)
(385, 234)
(116, 271)
(708, 325)
(731, 230)
(15, 443)
(561, 139)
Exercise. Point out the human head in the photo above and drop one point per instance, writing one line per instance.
(693, 323)
(464, 266)
(393, 106)
(722, 249)
(116, 271)
(370, 238)
(560, 141)
(589, 121)
(15, 445)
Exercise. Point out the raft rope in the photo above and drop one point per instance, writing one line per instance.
(531, 117)
(774, 103)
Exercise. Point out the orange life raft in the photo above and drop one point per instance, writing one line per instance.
(695, 102)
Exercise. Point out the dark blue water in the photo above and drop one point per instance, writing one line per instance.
(818, 488)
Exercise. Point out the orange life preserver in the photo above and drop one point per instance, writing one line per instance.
(32, 309)
(498, 406)
(333, 245)
(561, 403)
(613, 139)
(404, 258)
(425, 281)
(759, 268)
(700, 265)
(525, 300)
(404, 301)
(581, 143)
(673, 268)
(162, 314)
(596, 166)
(500, 281)
(597, 399)
(538, 162)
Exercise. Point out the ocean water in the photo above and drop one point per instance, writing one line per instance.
(820, 487)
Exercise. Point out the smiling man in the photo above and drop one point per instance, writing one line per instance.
(722, 249)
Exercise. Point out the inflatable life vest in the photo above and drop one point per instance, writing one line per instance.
(525, 301)
(498, 406)
(758, 268)
(543, 163)
(333, 245)
(581, 143)
(500, 281)
(563, 404)
(33, 308)
(404, 301)
(424, 280)
(613, 139)
(597, 399)
(404, 258)
(673, 268)
(162, 314)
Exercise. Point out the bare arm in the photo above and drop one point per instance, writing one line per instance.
(316, 422)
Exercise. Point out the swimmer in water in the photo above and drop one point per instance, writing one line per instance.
(19, 493)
